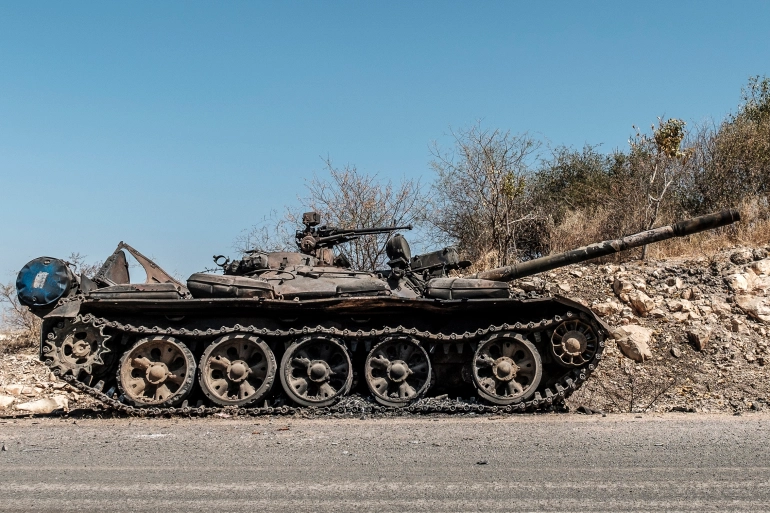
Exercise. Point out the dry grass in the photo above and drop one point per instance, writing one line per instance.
(13, 342)
(579, 229)
(753, 230)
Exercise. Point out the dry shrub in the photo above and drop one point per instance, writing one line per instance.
(578, 228)
(752, 230)
(20, 328)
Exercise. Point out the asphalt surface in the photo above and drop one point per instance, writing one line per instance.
(674, 462)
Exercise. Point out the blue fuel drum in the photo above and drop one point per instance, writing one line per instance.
(43, 281)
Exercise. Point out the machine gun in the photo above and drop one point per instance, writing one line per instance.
(312, 239)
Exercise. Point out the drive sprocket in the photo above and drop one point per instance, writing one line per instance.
(75, 346)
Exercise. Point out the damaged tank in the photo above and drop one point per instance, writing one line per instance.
(302, 329)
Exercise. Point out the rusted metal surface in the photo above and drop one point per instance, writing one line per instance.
(407, 333)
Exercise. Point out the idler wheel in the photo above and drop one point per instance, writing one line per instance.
(397, 371)
(237, 370)
(507, 368)
(573, 343)
(316, 371)
(158, 371)
(77, 347)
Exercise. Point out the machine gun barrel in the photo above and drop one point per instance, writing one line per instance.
(338, 235)
(607, 247)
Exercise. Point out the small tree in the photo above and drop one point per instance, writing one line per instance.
(658, 160)
(346, 198)
(481, 200)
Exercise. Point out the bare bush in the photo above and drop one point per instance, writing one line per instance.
(274, 233)
(346, 198)
(481, 199)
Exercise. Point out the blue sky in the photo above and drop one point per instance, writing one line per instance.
(176, 125)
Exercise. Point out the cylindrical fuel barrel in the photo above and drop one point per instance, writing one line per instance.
(43, 281)
(607, 247)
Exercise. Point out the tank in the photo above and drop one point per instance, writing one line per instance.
(281, 331)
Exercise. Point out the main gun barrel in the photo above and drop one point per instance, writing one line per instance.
(607, 247)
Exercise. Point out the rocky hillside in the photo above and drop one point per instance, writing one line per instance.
(690, 335)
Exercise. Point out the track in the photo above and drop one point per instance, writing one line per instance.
(548, 398)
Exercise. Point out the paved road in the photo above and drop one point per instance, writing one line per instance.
(676, 462)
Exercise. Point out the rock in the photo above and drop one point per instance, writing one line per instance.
(14, 389)
(680, 305)
(622, 286)
(6, 401)
(699, 336)
(31, 391)
(761, 267)
(564, 286)
(742, 256)
(585, 410)
(46, 405)
(686, 294)
(760, 253)
(756, 307)
(641, 302)
(761, 284)
(633, 341)
(675, 282)
(676, 352)
(657, 313)
(576, 273)
(720, 308)
(532, 285)
(638, 282)
(738, 282)
(627, 313)
(680, 316)
(605, 309)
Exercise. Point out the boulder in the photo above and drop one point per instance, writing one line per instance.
(739, 282)
(6, 401)
(46, 405)
(633, 341)
(756, 307)
(641, 302)
(699, 336)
